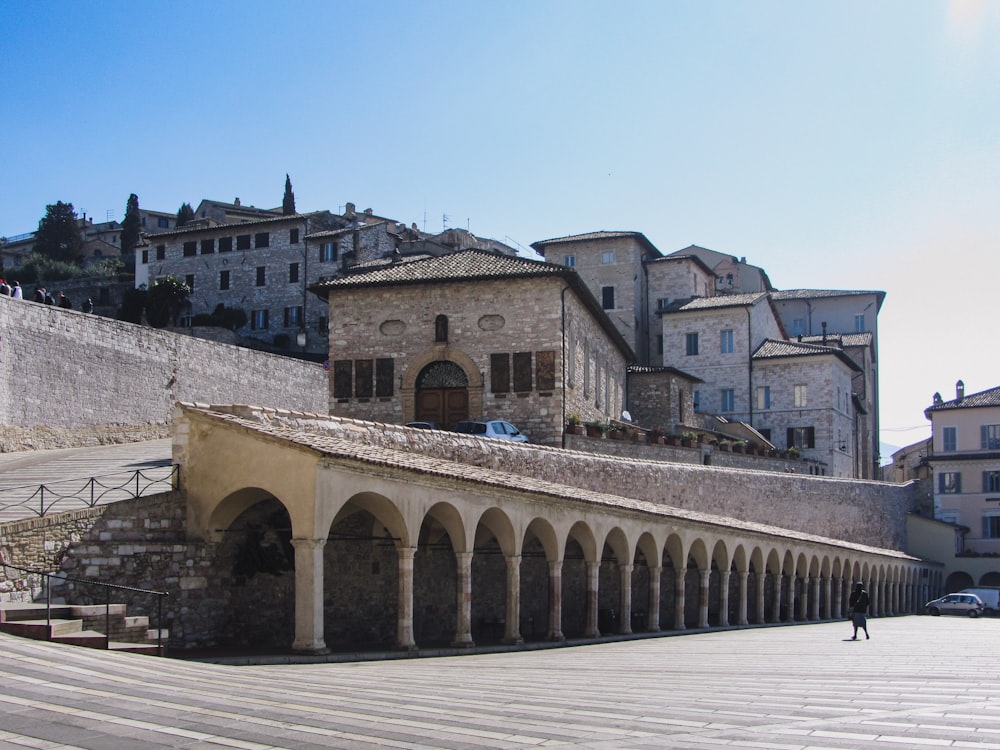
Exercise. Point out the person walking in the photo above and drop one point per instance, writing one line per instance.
(15, 291)
(858, 604)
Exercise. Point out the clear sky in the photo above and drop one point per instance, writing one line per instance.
(839, 145)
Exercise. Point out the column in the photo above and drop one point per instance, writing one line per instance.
(653, 625)
(679, 575)
(625, 623)
(838, 599)
(404, 605)
(761, 578)
(873, 591)
(724, 576)
(827, 601)
(309, 596)
(555, 601)
(803, 615)
(744, 605)
(814, 599)
(776, 600)
(703, 597)
(590, 629)
(512, 632)
(790, 598)
(463, 618)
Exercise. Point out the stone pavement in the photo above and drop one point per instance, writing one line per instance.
(64, 471)
(921, 682)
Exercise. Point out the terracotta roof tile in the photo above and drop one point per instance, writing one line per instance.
(983, 399)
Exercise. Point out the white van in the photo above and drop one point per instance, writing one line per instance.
(990, 596)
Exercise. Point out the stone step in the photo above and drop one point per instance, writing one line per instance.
(150, 649)
(42, 630)
(86, 638)
(14, 611)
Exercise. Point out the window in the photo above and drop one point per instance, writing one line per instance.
(949, 483)
(662, 302)
(545, 370)
(384, 377)
(801, 437)
(261, 275)
(569, 261)
(190, 249)
(293, 273)
(991, 481)
(161, 252)
(189, 280)
(343, 378)
(991, 527)
(262, 239)
(608, 297)
(293, 317)
(328, 252)
(207, 247)
(798, 327)
(726, 341)
(691, 344)
(728, 399)
(223, 280)
(800, 396)
(859, 323)
(322, 325)
(949, 438)
(763, 397)
(163, 223)
(659, 343)
(293, 236)
(697, 400)
(608, 258)
(145, 257)
(441, 328)
(258, 320)
(243, 242)
(522, 371)
(225, 244)
(500, 373)
(990, 437)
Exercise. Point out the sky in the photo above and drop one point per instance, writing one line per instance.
(838, 145)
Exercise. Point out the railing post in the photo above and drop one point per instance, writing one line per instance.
(41, 500)
(159, 624)
(137, 472)
(47, 583)
(107, 618)
(91, 483)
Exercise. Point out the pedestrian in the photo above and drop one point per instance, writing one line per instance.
(48, 297)
(40, 294)
(64, 302)
(4, 288)
(15, 291)
(88, 306)
(858, 604)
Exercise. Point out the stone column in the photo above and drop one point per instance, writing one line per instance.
(790, 597)
(463, 619)
(744, 605)
(654, 599)
(838, 599)
(593, 581)
(814, 599)
(873, 592)
(404, 605)
(776, 600)
(625, 574)
(724, 576)
(555, 601)
(679, 575)
(761, 578)
(512, 634)
(309, 596)
(827, 591)
(704, 576)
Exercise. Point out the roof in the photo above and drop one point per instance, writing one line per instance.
(713, 303)
(775, 349)
(864, 338)
(344, 231)
(471, 266)
(598, 236)
(647, 370)
(981, 400)
(807, 294)
(198, 227)
(679, 257)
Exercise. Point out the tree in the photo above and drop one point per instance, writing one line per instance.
(131, 225)
(288, 201)
(165, 300)
(184, 214)
(58, 236)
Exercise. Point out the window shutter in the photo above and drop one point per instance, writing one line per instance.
(810, 437)
(984, 438)
(789, 437)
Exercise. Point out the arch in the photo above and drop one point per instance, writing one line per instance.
(958, 580)
(383, 509)
(992, 578)
(439, 353)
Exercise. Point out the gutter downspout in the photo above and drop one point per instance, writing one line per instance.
(749, 367)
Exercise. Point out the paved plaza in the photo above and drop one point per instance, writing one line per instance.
(920, 682)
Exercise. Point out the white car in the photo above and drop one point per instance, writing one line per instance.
(491, 428)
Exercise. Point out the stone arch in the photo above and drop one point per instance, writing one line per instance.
(441, 538)
(441, 353)
(541, 551)
(494, 544)
(580, 553)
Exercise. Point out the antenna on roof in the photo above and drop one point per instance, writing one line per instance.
(110, 214)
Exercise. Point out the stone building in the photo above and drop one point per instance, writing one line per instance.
(473, 334)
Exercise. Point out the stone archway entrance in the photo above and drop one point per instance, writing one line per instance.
(442, 394)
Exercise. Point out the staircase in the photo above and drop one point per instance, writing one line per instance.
(77, 625)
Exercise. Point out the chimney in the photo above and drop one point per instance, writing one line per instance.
(959, 391)
(824, 333)
(236, 201)
(938, 400)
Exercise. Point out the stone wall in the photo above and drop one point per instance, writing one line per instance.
(71, 379)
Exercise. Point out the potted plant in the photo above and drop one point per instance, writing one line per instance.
(793, 452)
(726, 445)
(690, 440)
(740, 446)
(656, 436)
(596, 429)
(616, 432)
(673, 439)
(574, 425)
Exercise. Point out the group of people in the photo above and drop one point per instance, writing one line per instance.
(42, 296)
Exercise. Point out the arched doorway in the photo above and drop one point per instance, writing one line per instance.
(442, 394)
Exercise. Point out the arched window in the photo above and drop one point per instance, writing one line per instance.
(441, 328)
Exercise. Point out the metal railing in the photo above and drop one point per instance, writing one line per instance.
(70, 494)
(108, 588)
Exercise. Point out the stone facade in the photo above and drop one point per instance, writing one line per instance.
(124, 379)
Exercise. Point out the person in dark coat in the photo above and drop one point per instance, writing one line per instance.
(858, 604)
(64, 301)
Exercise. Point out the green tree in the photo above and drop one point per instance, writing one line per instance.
(288, 201)
(131, 225)
(58, 236)
(184, 214)
(133, 303)
(165, 300)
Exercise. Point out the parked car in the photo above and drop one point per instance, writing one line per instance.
(491, 428)
(956, 604)
(990, 596)
(424, 425)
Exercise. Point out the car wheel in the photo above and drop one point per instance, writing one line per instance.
(934, 611)
(973, 613)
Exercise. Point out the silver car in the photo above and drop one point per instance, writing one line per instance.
(956, 604)
(491, 428)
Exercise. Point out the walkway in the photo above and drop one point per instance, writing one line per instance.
(921, 682)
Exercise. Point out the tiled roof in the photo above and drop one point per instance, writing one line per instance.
(645, 370)
(983, 399)
(344, 231)
(716, 302)
(775, 349)
(363, 453)
(806, 294)
(845, 339)
(232, 227)
(591, 236)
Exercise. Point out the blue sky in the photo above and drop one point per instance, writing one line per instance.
(845, 145)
